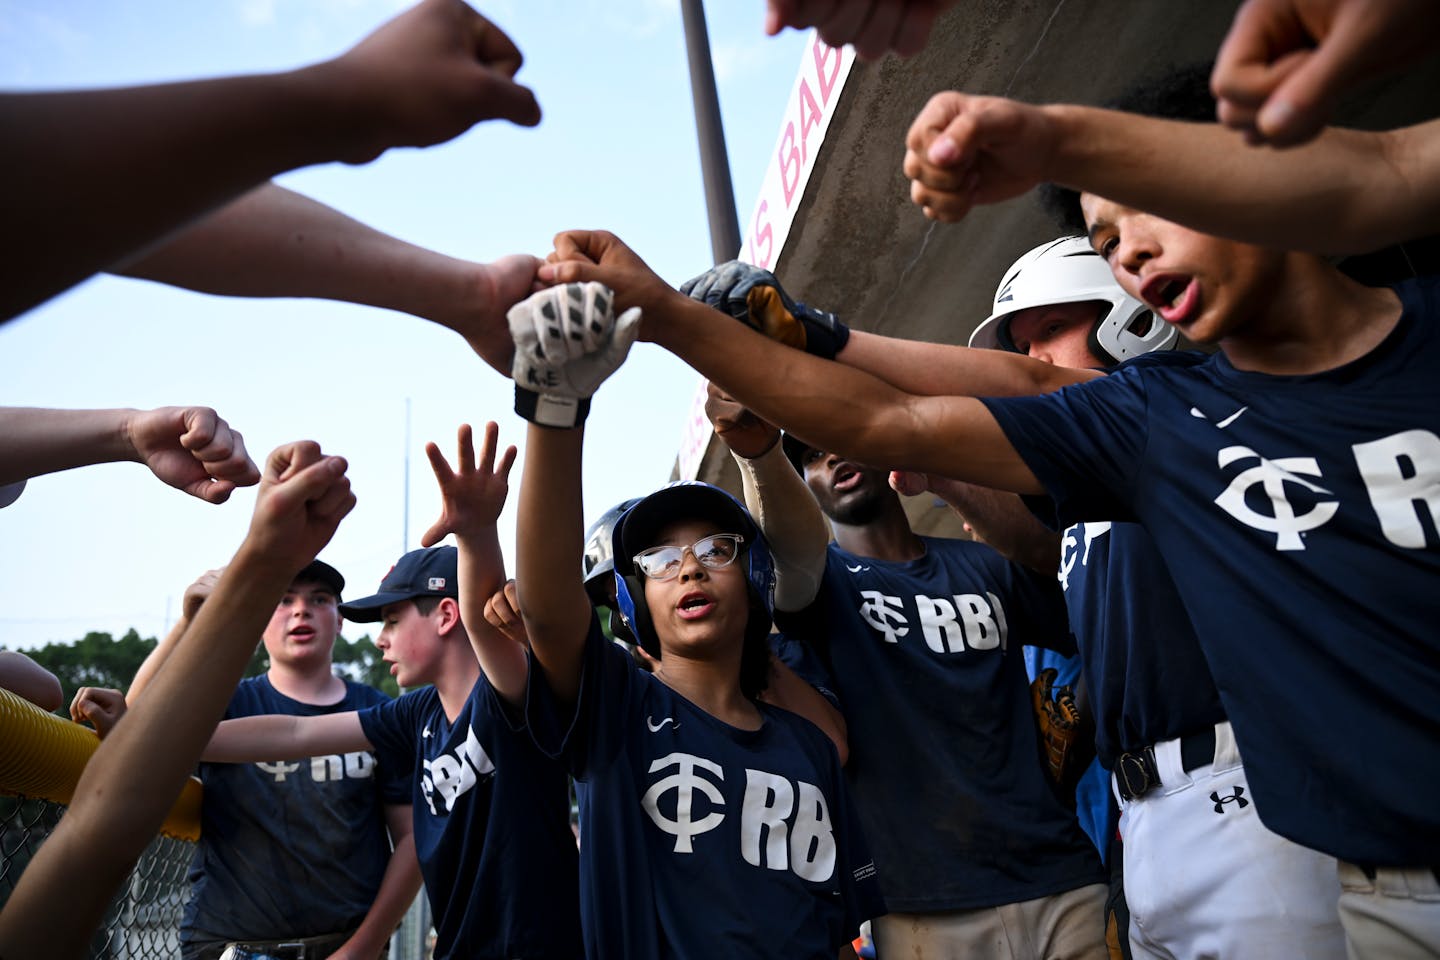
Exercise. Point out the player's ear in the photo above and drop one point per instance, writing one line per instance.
(448, 612)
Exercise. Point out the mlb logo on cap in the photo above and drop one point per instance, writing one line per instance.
(420, 573)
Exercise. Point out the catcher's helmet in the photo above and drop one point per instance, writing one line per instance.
(1068, 271)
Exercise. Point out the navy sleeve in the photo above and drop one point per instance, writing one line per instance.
(588, 732)
(390, 726)
(1083, 443)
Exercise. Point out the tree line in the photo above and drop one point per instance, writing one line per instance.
(99, 659)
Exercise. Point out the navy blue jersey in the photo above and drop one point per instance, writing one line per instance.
(1298, 516)
(699, 839)
(289, 848)
(1148, 680)
(492, 826)
(944, 762)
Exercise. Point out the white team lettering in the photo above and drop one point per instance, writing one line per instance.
(806, 847)
(1402, 476)
(279, 769)
(355, 766)
(1070, 552)
(884, 614)
(452, 774)
(685, 782)
(971, 618)
(1271, 476)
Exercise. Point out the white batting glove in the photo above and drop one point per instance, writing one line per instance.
(567, 341)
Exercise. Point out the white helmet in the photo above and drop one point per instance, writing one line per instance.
(1068, 271)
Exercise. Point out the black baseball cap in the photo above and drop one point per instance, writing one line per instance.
(420, 573)
(318, 571)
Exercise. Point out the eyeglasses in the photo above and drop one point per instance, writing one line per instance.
(715, 552)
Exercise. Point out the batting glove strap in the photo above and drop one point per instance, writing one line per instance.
(551, 411)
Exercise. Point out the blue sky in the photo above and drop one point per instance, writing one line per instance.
(108, 547)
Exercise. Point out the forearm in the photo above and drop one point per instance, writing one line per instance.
(273, 242)
(482, 573)
(106, 829)
(283, 737)
(40, 441)
(1345, 192)
(398, 888)
(26, 678)
(155, 660)
(550, 533)
(935, 369)
(1004, 522)
(792, 523)
(71, 154)
(835, 407)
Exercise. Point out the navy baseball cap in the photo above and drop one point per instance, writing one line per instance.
(420, 573)
(318, 571)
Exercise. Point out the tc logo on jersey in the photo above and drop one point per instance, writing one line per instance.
(1401, 474)
(1272, 476)
(1073, 550)
(784, 825)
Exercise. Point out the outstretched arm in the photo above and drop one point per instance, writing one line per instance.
(279, 736)
(90, 175)
(755, 297)
(472, 496)
(273, 242)
(776, 497)
(195, 596)
(190, 448)
(303, 495)
(1347, 192)
(829, 405)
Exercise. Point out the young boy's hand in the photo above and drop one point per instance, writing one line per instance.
(743, 432)
(303, 496)
(100, 707)
(963, 151)
(192, 449)
(471, 496)
(502, 611)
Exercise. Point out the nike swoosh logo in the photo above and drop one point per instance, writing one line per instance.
(657, 727)
(857, 568)
(425, 733)
(1232, 418)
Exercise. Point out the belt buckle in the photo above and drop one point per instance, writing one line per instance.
(1137, 772)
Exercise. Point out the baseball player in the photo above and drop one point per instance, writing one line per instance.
(712, 823)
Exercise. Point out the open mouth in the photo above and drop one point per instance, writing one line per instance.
(846, 478)
(1172, 295)
(694, 605)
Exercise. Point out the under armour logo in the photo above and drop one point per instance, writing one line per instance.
(1237, 797)
(1272, 476)
(685, 782)
(279, 769)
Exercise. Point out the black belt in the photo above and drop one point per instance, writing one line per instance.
(1136, 773)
